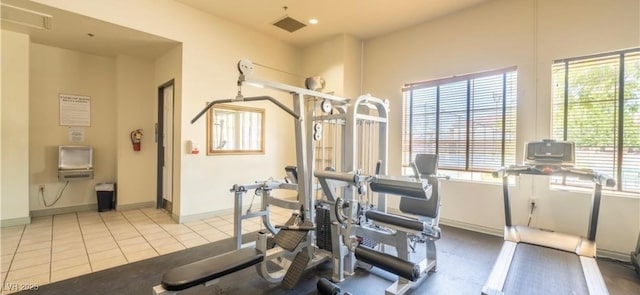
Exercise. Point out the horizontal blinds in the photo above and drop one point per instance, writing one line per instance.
(462, 121)
(419, 132)
(587, 110)
(486, 122)
(630, 170)
(511, 111)
(452, 138)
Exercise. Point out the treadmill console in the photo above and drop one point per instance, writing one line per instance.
(549, 152)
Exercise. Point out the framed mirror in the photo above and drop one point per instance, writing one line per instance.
(235, 129)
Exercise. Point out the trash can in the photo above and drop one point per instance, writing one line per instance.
(106, 196)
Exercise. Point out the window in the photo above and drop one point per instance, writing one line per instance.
(469, 121)
(596, 104)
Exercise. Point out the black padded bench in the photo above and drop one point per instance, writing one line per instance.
(206, 270)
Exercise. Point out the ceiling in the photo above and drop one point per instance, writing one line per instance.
(362, 19)
(70, 31)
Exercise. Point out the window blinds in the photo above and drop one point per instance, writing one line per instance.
(596, 104)
(469, 121)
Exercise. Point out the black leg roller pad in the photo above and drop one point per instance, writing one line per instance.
(392, 264)
(326, 287)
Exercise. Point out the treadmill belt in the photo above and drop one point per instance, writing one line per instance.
(540, 270)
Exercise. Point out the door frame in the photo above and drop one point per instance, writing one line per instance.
(160, 203)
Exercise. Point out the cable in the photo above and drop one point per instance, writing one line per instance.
(261, 189)
(278, 70)
(60, 192)
(533, 206)
(255, 193)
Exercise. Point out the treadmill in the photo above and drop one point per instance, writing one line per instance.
(538, 261)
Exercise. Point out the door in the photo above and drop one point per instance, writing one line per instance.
(165, 146)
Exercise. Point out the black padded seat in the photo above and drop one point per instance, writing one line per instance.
(200, 272)
(396, 220)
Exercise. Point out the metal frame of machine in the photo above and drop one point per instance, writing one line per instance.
(359, 131)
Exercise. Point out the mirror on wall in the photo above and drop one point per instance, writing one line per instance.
(235, 129)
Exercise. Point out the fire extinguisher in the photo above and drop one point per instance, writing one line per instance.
(136, 136)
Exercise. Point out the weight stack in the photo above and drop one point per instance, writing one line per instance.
(323, 227)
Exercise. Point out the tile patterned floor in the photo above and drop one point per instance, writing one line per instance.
(55, 248)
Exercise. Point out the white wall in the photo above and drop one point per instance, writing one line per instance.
(211, 49)
(53, 71)
(14, 141)
(530, 35)
(136, 94)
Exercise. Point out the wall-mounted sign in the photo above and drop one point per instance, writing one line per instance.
(76, 134)
(75, 110)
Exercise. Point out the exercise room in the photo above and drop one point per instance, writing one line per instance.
(320, 147)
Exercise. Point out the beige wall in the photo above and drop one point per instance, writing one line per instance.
(136, 96)
(14, 141)
(352, 66)
(53, 71)
(530, 35)
(210, 51)
(338, 61)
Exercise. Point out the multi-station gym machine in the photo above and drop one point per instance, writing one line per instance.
(340, 213)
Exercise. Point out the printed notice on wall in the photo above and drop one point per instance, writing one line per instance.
(75, 110)
(76, 134)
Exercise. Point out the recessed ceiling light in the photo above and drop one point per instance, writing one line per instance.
(313, 21)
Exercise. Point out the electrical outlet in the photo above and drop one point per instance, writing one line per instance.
(533, 202)
(41, 188)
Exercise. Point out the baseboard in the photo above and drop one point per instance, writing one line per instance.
(472, 227)
(461, 224)
(88, 207)
(604, 253)
(188, 218)
(132, 206)
(63, 210)
(15, 221)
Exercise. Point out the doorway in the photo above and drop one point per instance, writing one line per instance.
(164, 133)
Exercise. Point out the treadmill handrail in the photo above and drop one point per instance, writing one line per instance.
(596, 177)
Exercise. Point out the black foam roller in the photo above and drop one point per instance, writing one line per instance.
(325, 287)
(395, 265)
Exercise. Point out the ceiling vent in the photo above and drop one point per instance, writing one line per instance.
(289, 24)
(25, 17)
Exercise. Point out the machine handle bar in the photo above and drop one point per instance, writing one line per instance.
(240, 99)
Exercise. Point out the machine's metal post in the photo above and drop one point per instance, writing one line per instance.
(383, 135)
(595, 211)
(432, 254)
(402, 245)
(507, 202)
(304, 175)
(338, 251)
(237, 218)
(309, 107)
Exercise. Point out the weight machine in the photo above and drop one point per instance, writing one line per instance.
(337, 137)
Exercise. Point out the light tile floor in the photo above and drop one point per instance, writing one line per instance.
(55, 248)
